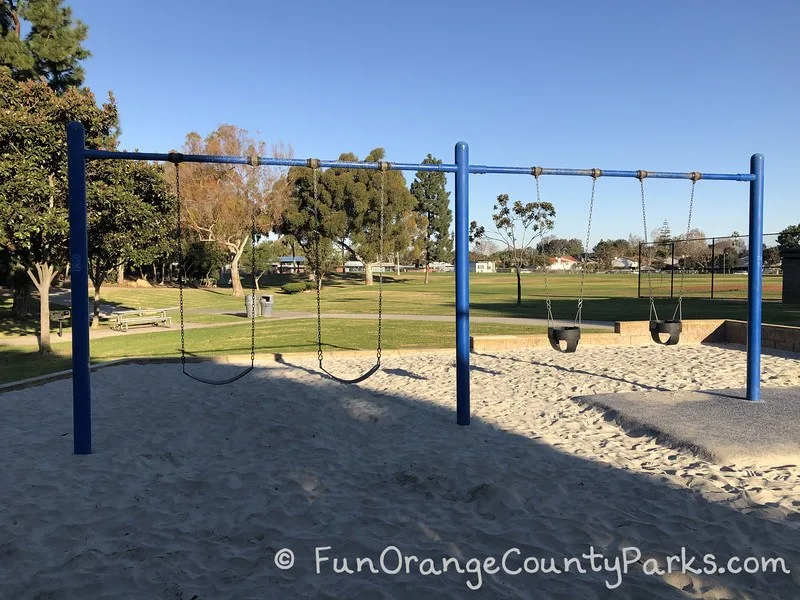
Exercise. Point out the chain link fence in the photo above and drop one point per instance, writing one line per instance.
(714, 267)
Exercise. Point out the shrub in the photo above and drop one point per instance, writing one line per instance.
(789, 238)
(294, 288)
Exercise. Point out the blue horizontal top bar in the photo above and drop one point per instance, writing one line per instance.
(483, 169)
(278, 162)
(445, 168)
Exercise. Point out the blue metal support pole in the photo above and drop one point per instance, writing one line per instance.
(79, 277)
(462, 284)
(754, 278)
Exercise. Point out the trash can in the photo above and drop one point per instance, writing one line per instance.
(248, 306)
(266, 306)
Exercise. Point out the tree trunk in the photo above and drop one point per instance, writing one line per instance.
(155, 274)
(121, 274)
(42, 279)
(22, 304)
(236, 281)
(368, 279)
(519, 287)
(427, 258)
(96, 310)
(96, 276)
(397, 263)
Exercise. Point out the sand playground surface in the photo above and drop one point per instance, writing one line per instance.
(198, 492)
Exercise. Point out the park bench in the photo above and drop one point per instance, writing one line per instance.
(123, 319)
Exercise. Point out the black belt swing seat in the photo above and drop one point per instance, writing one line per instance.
(672, 327)
(570, 334)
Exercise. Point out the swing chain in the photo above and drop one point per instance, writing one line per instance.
(536, 171)
(579, 316)
(384, 166)
(317, 271)
(641, 175)
(679, 308)
(175, 158)
(254, 163)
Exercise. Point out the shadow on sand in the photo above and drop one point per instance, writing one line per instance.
(280, 460)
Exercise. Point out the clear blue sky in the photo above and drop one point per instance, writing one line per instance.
(676, 86)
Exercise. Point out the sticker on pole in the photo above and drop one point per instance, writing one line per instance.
(77, 263)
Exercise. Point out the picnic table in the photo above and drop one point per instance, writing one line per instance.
(121, 320)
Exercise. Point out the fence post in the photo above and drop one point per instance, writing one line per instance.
(672, 274)
(713, 263)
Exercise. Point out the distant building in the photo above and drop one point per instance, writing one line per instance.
(562, 263)
(481, 267)
(356, 266)
(742, 264)
(441, 266)
(668, 263)
(624, 264)
(291, 264)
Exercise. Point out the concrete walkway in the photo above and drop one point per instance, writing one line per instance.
(717, 425)
(104, 331)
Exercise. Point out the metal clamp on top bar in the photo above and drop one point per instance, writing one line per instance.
(253, 160)
(595, 173)
(312, 163)
(641, 175)
(695, 176)
(536, 171)
(175, 157)
(384, 166)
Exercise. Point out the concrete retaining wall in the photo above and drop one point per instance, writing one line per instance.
(780, 337)
(626, 333)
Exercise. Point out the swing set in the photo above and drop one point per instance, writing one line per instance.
(78, 154)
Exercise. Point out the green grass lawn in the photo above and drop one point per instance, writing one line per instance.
(608, 297)
(490, 295)
(21, 362)
(296, 335)
(165, 297)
